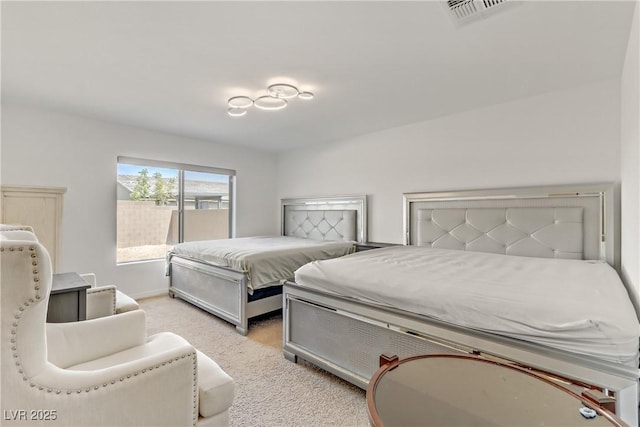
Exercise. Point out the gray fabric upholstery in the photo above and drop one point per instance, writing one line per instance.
(321, 224)
(539, 232)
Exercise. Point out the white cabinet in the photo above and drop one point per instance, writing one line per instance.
(38, 207)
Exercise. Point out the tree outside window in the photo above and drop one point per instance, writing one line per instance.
(163, 188)
(148, 220)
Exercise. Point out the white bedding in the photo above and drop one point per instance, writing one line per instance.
(578, 306)
(265, 259)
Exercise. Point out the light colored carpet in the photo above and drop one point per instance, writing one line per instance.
(270, 390)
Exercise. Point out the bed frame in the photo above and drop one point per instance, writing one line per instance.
(346, 337)
(224, 291)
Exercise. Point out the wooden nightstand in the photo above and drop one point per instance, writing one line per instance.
(373, 245)
(68, 298)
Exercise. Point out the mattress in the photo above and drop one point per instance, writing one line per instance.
(265, 259)
(573, 305)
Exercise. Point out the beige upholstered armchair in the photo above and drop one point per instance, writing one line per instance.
(101, 300)
(106, 300)
(104, 371)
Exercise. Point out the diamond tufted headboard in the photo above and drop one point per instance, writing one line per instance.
(321, 225)
(575, 222)
(325, 218)
(540, 232)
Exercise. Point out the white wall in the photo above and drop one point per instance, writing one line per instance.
(630, 163)
(562, 137)
(50, 149)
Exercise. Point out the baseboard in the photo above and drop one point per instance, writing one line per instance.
(149, 294)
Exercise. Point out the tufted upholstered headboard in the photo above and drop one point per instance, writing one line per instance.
(326, 218)
(577, 222)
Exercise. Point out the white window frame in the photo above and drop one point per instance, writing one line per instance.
(181, 168)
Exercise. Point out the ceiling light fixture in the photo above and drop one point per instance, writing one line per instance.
(268, 102)
(275, 99)
(240, 102)
(282, 90)
(237, 112)
(305, 95)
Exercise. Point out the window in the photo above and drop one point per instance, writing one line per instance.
(163, 203)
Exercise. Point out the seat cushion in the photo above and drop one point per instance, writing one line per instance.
(125, 303)
(216, 388)
(155, 344)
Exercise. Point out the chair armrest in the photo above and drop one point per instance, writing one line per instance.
(76, 342)
(125, 303)
(101, 301)
(157, 386)
(90, 278)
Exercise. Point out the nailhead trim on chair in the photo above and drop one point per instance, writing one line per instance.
(105, 290)
(16, 228)
(195, 389)
(18, 315)
(36, 280)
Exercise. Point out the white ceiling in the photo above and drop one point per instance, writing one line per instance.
(373, 65)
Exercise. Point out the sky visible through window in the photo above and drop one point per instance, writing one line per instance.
(125, 169)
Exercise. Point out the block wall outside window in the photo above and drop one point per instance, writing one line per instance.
(150, 193)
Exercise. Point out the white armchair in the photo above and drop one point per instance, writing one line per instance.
(106, 300)
(15, 227)
(101, 300)
(104, 371)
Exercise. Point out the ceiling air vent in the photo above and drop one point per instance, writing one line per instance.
(464, 10)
